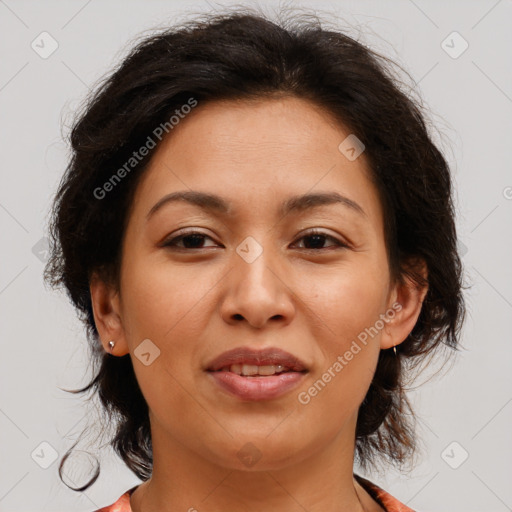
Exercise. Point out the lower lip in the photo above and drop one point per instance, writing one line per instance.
(257, 387)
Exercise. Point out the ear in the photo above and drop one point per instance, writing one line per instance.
(406, 300)
(107, 316)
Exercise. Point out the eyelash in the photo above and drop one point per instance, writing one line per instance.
(172, 242)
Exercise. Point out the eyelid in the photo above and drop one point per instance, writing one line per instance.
(173, 238)
(182, 233)
(318, 231)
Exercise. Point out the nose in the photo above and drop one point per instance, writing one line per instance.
(257, 293)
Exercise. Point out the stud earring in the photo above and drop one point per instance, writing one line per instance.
(111, 345)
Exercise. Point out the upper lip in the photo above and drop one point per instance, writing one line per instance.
(259, 357)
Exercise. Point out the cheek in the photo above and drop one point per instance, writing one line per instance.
(349, 299)
(165, 305)
(349, 309)
(350, 306)
(160, 299)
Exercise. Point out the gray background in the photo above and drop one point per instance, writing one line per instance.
(43, 345)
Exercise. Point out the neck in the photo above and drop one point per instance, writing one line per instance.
(184, 479)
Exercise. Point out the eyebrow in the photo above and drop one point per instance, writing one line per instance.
(216, 204)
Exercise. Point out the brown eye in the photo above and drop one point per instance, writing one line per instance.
(314, 240)
(317, 240)
(190, 240)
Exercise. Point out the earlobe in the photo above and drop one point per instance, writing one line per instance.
(107, 317)
(406, 300)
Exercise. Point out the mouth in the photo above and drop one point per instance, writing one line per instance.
(252, 370)
(253, 375)
(248, 361)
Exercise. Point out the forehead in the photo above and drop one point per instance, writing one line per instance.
(257, 155)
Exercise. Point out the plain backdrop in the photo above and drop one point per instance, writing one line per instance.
(459, 55)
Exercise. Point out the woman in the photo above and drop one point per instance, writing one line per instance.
(259, 235)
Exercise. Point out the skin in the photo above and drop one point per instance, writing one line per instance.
(311, 300)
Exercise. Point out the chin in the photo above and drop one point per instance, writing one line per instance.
(261, 451)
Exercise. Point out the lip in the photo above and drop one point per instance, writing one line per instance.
(259, 357)
(257, 388)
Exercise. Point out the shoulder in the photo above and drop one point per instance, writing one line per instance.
(383, 498)
(121, 505)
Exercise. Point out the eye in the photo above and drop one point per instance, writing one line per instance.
(190, 239)
(317, 240)
(195, 240)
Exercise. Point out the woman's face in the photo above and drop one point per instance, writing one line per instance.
(254, 276)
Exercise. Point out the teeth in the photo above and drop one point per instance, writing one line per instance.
(251, 369)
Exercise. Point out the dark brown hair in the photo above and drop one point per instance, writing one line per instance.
(242, 55)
